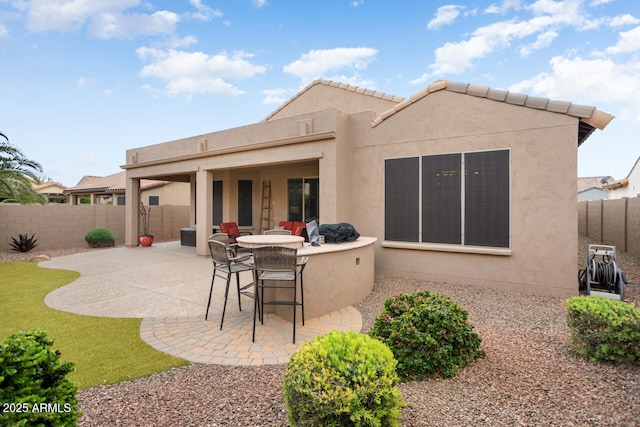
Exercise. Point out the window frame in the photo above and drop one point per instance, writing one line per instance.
(449, 247)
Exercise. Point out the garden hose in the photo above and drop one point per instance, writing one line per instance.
(605, 273)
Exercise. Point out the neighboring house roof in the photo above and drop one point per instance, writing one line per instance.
(115, 183)
(590, 117)
(624, 181)
(587, 183)
(42, 188)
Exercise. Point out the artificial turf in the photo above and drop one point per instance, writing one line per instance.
(104, 350)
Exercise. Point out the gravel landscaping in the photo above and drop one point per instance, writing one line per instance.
(528, 377)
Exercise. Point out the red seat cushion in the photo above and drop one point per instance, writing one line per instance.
(288, 225)
(230, 228)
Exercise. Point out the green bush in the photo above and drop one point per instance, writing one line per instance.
(342, 379)
(428, 335)
(604, 329)
(100, 238)
(34, 390)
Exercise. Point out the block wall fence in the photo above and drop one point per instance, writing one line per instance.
(59, 226)
(612, 222)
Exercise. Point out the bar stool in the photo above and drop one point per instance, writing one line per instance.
(278, 264)
(224, 265)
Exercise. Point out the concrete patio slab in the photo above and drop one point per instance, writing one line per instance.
(168, 285)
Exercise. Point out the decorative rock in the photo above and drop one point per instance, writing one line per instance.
(39, 258)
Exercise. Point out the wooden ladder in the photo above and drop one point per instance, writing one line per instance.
(265, 213)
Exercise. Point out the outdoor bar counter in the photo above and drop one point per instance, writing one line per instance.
(336, 276)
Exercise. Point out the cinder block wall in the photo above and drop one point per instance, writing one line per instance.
(64, 226)
(612, 222)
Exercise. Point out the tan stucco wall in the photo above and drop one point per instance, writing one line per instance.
(543, 177)
(174, 193)
(348, 154)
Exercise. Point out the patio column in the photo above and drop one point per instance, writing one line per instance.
(204, 210)
(131, 217)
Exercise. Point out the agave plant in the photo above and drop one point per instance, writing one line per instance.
(25, 244)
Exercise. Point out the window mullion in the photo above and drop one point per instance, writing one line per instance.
(463, 175)
(419, 198)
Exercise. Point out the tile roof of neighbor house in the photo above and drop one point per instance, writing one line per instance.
(590, 117)
(47, 185)
(587, 183)
(110, 184)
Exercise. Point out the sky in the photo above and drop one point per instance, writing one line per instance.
(82, 81)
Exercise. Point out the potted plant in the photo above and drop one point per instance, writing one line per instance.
(145, 238)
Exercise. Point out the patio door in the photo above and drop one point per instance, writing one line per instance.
(304, 199)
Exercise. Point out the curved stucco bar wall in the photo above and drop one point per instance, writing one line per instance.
(336, 276)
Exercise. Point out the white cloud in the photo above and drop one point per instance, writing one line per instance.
(4, 33)
(599, 82)
(548, 17)
(599, 2)
(82, 82)
(628, 42)
(259, 3)
(63, 15)
(276, 96)
(107, 18)
(505, 7)
(544, 40)
(357, 3)
(191, 73)
(626, 19)
(317, 63)
(205, 13)
(115, 25)
(445, 15)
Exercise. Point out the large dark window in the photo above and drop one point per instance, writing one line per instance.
(217, 203)
(460, 198)
(402, 199)
(303, 199)
(441, 215)
(245, 202)
(487, 199)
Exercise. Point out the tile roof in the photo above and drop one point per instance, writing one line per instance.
(110, 183)
(339, 85)
(590, 117)
(587, 183)
(624, 181)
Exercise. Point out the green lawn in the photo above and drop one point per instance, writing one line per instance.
(104, 350)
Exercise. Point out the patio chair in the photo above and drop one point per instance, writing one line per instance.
(277, 264)
(278, 231)
(232, 229)
(240, 254)
(224, 265)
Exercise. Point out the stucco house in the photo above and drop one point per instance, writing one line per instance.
(53, 191)
(111, 189)
(457, 183)
(626, 187)
(592, 187)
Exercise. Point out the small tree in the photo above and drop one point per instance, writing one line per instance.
(16, 171)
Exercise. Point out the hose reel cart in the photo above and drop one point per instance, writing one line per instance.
(603, 277)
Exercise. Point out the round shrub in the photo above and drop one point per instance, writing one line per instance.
(100, 238)
(342, 379)
(34, 390)
(428, 335)
(604, 330)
